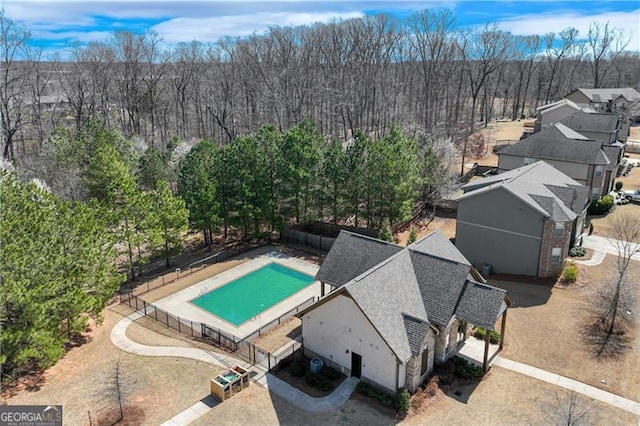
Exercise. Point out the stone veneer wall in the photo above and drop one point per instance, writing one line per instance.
(414, 365)
(546, 268)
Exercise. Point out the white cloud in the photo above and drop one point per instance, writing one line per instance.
(555, 22)
(212, 28)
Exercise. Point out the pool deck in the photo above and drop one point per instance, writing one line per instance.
(179, 303)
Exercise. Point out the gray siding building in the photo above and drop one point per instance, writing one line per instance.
(523, 221)
(580, 158)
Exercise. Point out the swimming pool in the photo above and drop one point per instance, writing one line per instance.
(252, 294)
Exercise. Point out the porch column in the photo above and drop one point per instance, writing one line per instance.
(485, 361)
(503, 327)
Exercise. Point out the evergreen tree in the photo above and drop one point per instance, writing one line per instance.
(170, 219)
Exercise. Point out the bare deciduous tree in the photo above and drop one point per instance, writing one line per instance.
(606, 44)
(616, 299)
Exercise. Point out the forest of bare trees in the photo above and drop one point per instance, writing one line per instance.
(370, 73)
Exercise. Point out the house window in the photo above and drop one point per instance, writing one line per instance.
(599, 170)
(425, 361)
(528, 161)
(559, 229)
(556, 253)
(595, 193)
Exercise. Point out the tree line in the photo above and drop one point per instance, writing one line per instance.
(267, 179)
(424, 72)
(60, 251)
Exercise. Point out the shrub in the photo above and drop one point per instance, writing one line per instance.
(618, 186)
(480, 332)
(298, 369)
(318, 381)
(577, 251)
(413, 236)
(402, 401)
(465, 369)
(384, 398)
(331, 373)
(601, 205)
(570, 273)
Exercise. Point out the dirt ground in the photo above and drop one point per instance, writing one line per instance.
(545, 329)
(602, 224)
(160, 387)
(446, 224)
(281, 336)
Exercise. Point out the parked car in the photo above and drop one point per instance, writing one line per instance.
(632, 195)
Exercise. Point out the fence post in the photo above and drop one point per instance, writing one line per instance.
(136, 303)
(144, 306)
(269, 361)
(179, 325)
(191, 328)
(147, 286)
(163, 279)
(155, 313)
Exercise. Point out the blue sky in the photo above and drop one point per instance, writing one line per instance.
(55, 24)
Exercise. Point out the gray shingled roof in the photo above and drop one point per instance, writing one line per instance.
(441, 284)
(607, 94)
(351, 255)
(437, 244)
(416, 330)
(479, 305)
(412, 289)
(537, 185)
(581, 121)
(552, 143)
(387, 293)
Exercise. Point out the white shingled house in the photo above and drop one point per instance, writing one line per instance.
(393, 311)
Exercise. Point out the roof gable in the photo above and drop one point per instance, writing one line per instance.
(409, 291)
(542, 187)
(351, 255)
(557, 143)
(581, 121)
(481, 304)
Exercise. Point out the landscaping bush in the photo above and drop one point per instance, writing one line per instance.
(413, 236)
(618, 186)
(480, 332)
(331, 373)
(402, 401)
(577, 252)
(570, 273)
(601, 205)
(298, 369)
(318, 381)
(465, 369)
(384, 398)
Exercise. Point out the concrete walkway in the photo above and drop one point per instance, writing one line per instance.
(300, 399)
(606, 245)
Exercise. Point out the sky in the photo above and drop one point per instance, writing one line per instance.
(57, 24)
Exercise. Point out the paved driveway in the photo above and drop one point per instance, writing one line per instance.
(607, 245)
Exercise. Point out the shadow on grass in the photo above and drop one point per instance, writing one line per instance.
(524, 291)
(606, 345)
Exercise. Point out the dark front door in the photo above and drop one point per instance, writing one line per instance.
(356, 365)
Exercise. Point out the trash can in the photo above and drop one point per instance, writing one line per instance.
(316, 365)
(486, 269)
